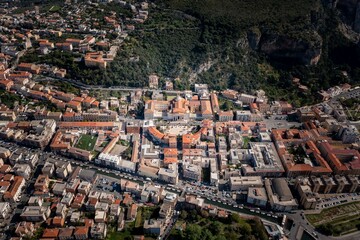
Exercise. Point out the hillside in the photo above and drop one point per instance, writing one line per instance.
(240, 44)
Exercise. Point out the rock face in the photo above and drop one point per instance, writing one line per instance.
(350, 12)
(356, 24)
(290, 50)
(254, 36)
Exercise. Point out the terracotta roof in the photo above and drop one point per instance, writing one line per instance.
(206, 107)
(65, 232)
(50, 233)
(169, 160)
(85, 124)
(58, 221)
(156, 133)
(170, 151)
(14, 187)
(81, 231)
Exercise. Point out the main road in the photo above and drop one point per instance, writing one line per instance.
(80, 85)
(267, 216)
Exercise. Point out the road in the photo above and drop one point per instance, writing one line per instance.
(80, 85)
(300, 221)
(224, 202)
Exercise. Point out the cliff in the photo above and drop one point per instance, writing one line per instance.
(291, 50)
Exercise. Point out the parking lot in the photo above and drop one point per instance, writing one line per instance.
(338, 200)
(107, 184)
(280, 121)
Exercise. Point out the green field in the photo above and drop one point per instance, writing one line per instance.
(338, 220)
(86, 142)
(125, 234)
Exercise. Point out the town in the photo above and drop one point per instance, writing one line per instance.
(94, 164)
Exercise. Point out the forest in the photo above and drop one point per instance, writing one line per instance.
(198, 225)
(233, 44)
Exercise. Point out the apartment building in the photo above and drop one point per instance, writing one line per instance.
(240, 183)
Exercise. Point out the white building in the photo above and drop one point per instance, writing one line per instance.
(5, 209)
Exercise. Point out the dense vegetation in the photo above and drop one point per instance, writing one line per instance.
(219, 43)
(352, 108)
(195, 225)
(207, 41)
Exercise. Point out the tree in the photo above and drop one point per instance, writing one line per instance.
(220, 237)
(216, 227)
(204, 213)
(193, 232)
(234, 217)
(183, 214)
(206, 234)
(325, 229)
(245, 229)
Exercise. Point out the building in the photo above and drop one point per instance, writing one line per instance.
(98, 231)
(349, 134)
(23, 170)
(192, 172)
(59, 189)
(16, 183)
(225, 116)
(240, 183)
(153, 226)
(81, 233)
(5, 209)
(214, 102)
(243, 116)
(170, 174)
(247, 99)
(65, 233)
(342, 161)
(153, 81)
(308, 198)
(257, 196)
(151, 193)
(35, 213)
(279, 194)
(206, 110)
(230, 94)
(312, 162)
(131, 212)
(100, 216)
(50, 233)
(95, 59)
(24, 229)
(42, 183)
(264, 161)
(169, 86)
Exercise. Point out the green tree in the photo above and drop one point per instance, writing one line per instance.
(216, 227)
(207, 235)
(193, 232)
(183, 214)
(235, 218)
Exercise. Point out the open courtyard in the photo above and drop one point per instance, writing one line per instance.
(86, 142)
